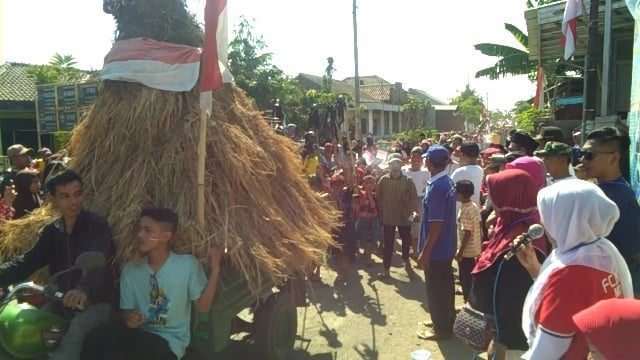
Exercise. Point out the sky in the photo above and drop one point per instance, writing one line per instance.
(424, 44)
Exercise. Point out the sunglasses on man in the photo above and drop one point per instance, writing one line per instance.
(590, 155)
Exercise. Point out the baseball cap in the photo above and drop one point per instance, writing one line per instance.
(18, 149)
(554, 148)
(437, 153)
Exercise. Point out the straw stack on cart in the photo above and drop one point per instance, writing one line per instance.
(137, 148)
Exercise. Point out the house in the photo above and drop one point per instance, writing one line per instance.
(381, 101)
(17, 107)
(544, 26)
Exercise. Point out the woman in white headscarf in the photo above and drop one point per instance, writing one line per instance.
(583, 268)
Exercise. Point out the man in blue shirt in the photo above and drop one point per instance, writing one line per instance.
(603, 157)
(437, 244)
(156, 295)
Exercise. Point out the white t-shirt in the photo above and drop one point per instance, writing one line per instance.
(419, 178)
(473, 173)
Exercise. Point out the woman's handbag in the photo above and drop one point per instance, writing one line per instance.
(473, 328)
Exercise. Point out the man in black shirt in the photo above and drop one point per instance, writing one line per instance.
(60, 243)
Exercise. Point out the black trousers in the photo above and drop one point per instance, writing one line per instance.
(465, 266)
(440, 296)
(117, 342)
(389, 242)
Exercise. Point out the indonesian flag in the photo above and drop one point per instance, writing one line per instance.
(156, 64)
(572, 12)
(214, 72)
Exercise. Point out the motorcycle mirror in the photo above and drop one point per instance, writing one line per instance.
(90, 260)
(85, 262)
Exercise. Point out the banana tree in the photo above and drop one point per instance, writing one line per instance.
(512, 61)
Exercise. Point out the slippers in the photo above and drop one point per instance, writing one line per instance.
(431, 335)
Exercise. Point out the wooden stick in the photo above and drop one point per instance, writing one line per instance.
(202, 156)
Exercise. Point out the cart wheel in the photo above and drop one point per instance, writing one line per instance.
(276, 326)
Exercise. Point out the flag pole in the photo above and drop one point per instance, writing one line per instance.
(202, 156)
(358, 125)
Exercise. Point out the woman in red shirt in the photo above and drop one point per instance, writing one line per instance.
(583, 269)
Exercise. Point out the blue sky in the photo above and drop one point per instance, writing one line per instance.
(424, 44)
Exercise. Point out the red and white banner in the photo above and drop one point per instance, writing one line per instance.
(156, 64)
(214, 71)
(572, 11)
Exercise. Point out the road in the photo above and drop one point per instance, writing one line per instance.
(369, 319)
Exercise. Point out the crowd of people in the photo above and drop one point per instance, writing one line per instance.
(21, 190)
(474, 200)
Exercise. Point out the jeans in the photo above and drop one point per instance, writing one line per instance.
(79, 327)
(389, 242)
(440, 296)
(116, 341)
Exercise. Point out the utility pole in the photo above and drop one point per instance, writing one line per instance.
(356, 74)
(590, 70)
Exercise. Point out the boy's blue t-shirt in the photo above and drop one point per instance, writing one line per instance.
(164, 298)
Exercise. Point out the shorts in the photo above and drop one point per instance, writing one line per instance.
(368, 230)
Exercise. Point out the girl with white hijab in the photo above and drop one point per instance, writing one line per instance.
(583, 268)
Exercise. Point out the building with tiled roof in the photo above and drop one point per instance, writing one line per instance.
(15, 83)
(382, 102)
(17, 106)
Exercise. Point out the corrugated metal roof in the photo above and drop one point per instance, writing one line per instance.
(15, 83)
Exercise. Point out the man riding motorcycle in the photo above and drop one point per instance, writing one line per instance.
(60, 243)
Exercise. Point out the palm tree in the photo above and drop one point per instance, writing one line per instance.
(512, 61)
(63, 61)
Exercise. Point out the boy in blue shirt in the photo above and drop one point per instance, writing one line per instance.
(156, 295)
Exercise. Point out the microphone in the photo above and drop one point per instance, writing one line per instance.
(535, 232)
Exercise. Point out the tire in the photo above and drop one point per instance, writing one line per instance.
(276, 327)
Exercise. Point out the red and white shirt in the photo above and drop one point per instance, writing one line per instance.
(568, 291)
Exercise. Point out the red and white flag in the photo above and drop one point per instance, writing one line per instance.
(214, 71)
(156, 64)
(572, 11)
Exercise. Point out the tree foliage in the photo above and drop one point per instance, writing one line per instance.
(470, 105)
(60, 69)
(512, 61)
(254, 71)
(162, 20)
(528, 117)
(416, 104)
(533, 4)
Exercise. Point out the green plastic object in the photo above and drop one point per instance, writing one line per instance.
(21, 329)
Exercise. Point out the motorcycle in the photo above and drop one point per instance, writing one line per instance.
(28, 328)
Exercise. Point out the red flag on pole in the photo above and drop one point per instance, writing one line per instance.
(213, 71)
(572, 12)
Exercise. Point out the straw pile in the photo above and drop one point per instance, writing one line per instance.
(137, 148)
